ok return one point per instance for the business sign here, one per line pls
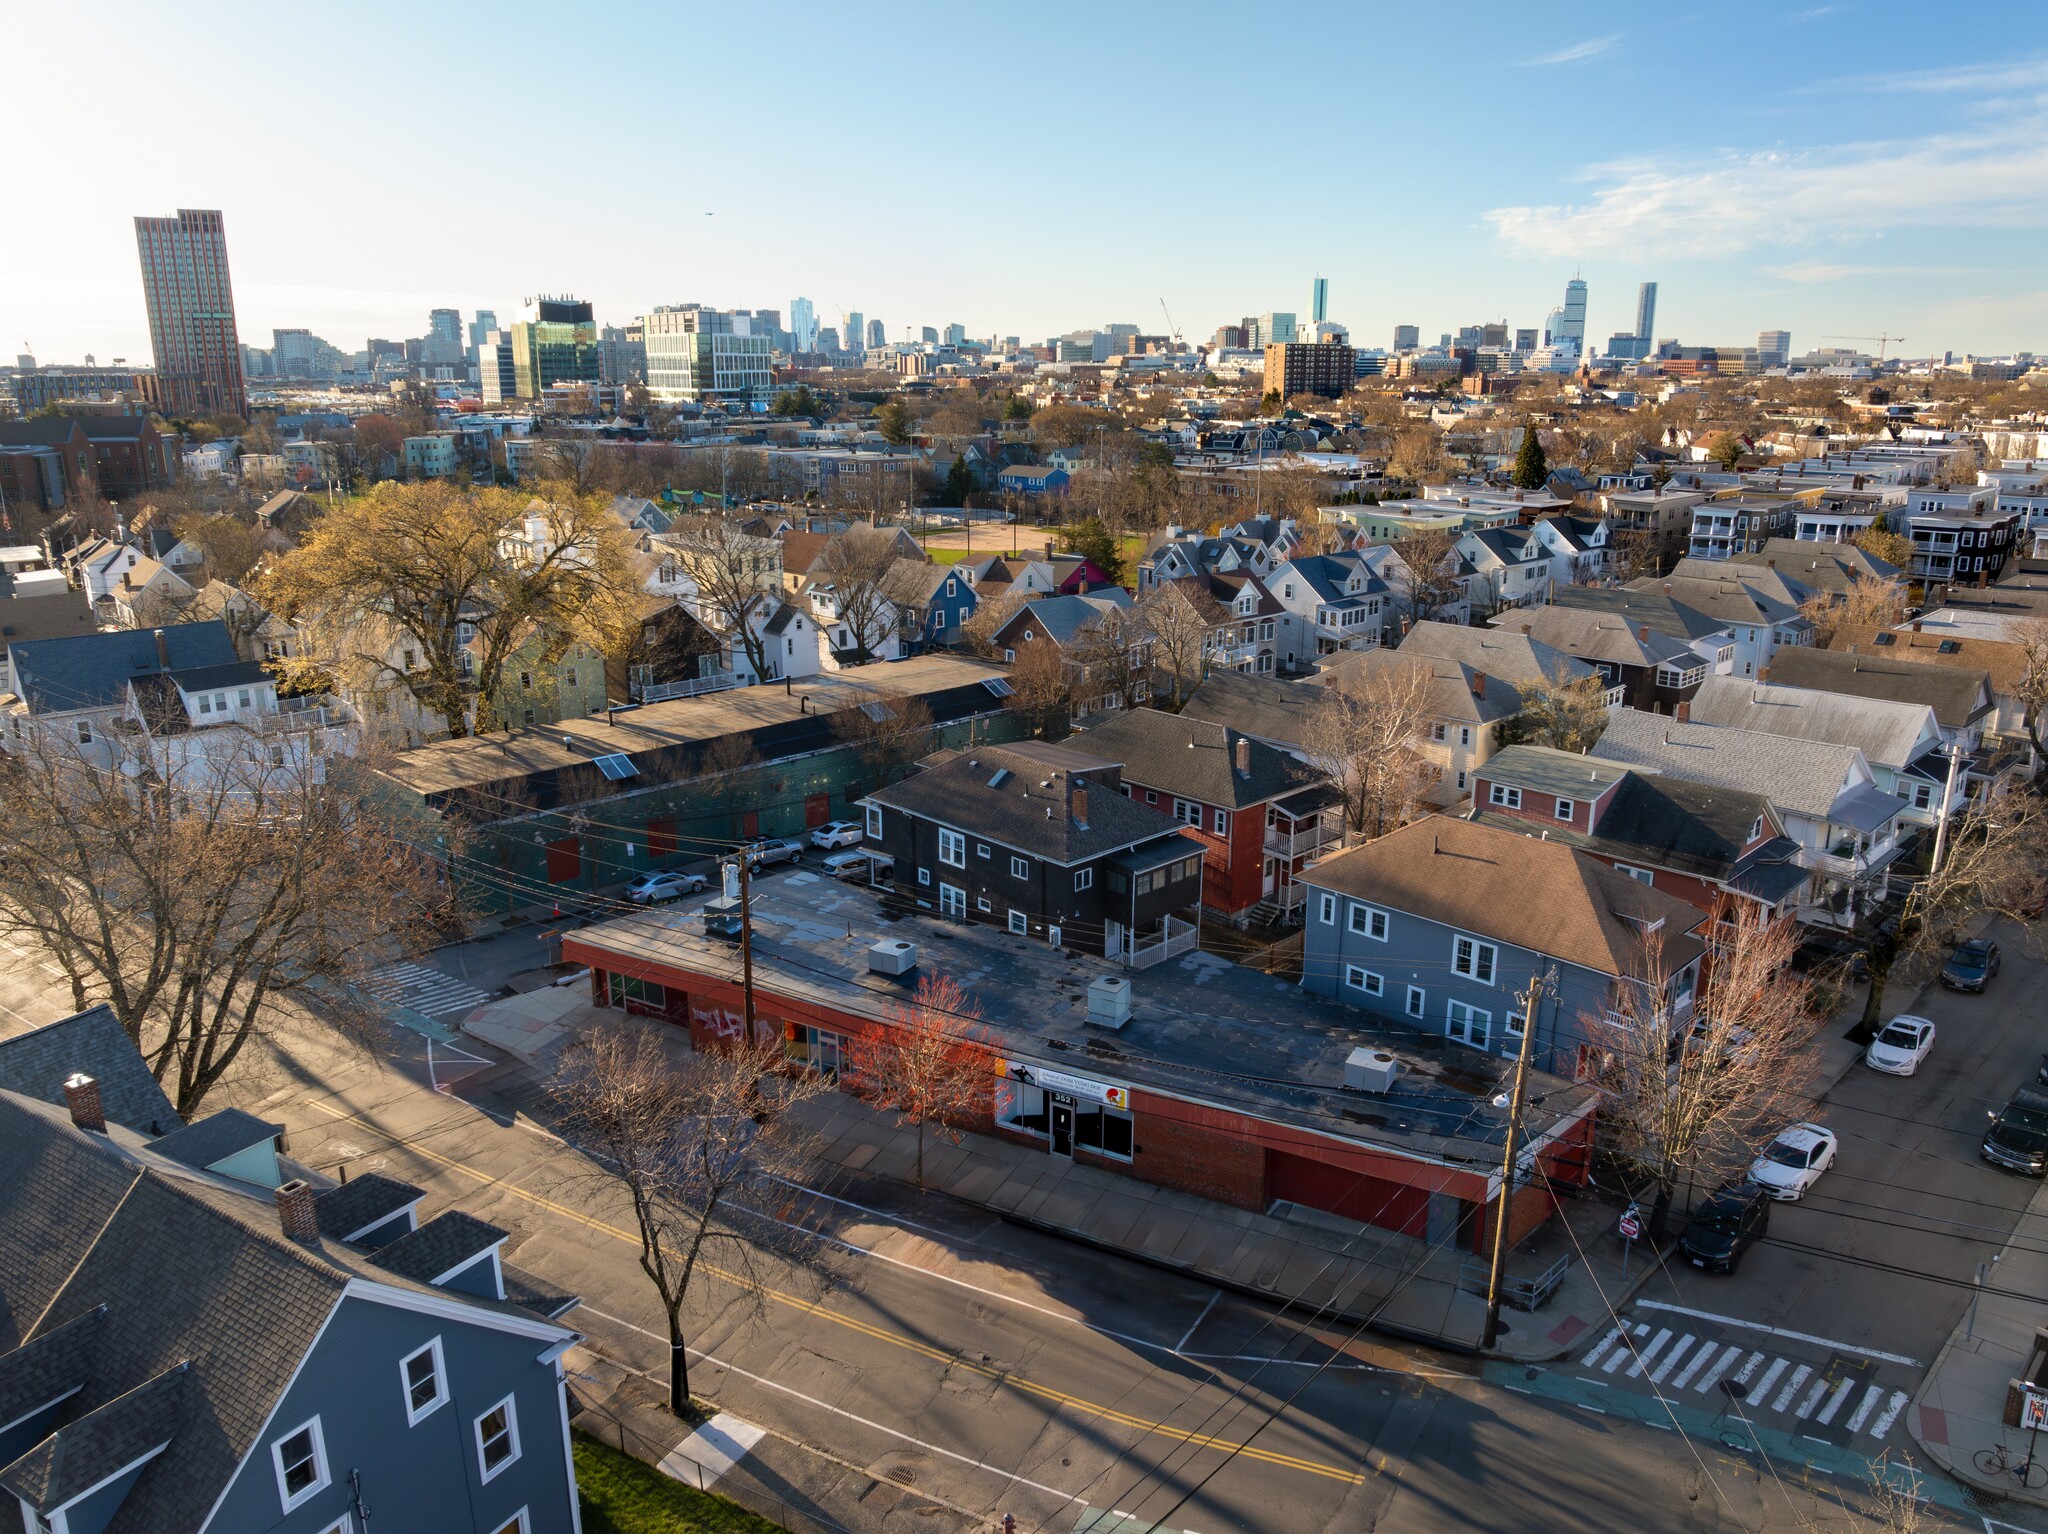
(1108, 1093)
(2033, 1409)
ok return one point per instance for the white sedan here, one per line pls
(1901, 1046)
(837, 833)
(1791, 1163)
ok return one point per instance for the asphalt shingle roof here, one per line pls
(94, 670)
(37, 1063)
(1271, 708)
(1888, 734)
(82, 1454)
(1030, 810)
(216, 1137)
(362, 1201)
(1513, 657)
(1540, 896)
(1195, 759)
(1589, 635)
(448, 1240)
(1913, 670)
(1803, 776)
(59, 1360)
(1063, 618)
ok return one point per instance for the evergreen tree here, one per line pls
(1532, 470)
(959, 482)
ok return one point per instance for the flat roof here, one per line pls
(448, 766)
(1201, 1028)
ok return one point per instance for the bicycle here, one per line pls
(1999, 1460)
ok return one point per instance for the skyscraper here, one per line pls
(1773, 348)
(485, 322)
(1571, 322)
(1646, 315)
(853, 330)
(878, 336)
(1407, 337)
(803, 325)
(1319, 302)
(555, 343)
(192, 313)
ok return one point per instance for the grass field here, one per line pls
(623, 1496)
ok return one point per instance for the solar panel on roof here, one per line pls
(997, 685)
(616, 766)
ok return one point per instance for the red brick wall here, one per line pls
(1196, 1150)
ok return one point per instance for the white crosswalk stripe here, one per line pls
(1647, 1356)
(1678, 1351)
(1765, 1383)
(1624, 1353)
(1599, 1351)
(424, 990)
(1749, 1367)
(1811, 1399)
(1791, 1387)
(1721, 1366)
(1892, 1408)
(1862, 1414)
(1762, 1392)
(1685, 1376)
(1842, 1393)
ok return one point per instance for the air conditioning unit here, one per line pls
(892, 956)
(1371, 1070)
(1109, 1001)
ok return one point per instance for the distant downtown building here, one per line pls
(192, 313)
(1301, 367)
(1646, 311)
(1319, 301)
(555, 343)
(696, 354)
(803, 325)
(1407, 337)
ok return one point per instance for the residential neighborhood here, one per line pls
(1384, 875)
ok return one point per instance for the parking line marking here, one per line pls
(1728, 1356)
(1678, 1351)
(1779, 1331)
(1892, 1408)
(1812, 1398)
(1649, 1354)
(1862, 1414)
(1762, 1392)
(1842, 1393)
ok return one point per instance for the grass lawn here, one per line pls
(623, 1496)
(946, 556)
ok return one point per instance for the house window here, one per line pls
(569, 677)
(1566, 809)
(1468, 1025)
(1151, 796)
(1019, 923)
(497, 1438)
(1019, 869)
(1923, 795)
(952, 848)
(425, 1382)
(981, 851)
(300, 1458)
(1464, 734)
(242, 698)
(1187, 813)
(924, 876)
(1326, 908)
(1756, 828)
(1474, 960)
(1418, 999)
(205, 704)
(952, 901)
(983, 904)
(874, 820)
(1222, 822)
(1084, 878)
(1640, 875)
(1439, 731)
(1504, 796)
(1010, 656)
(1364, 980)
(1369, 921)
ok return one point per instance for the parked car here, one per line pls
(1901, 1045)
(1792, 1163)
(1728, 1224)
(2018, 1139)
(670, 885)
(859, 864)
(837, 833)
(1971, 965)
(780, 849)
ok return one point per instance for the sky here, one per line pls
(1835, 170)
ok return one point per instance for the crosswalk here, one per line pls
(420, 989)
(1835, 1400)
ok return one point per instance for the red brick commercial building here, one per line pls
(1310, 367)
(1229, 1085)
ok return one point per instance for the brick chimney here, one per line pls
(1643, 633)
(82, 1095)
(295, 1216)
(163, 650)
(1916, 625)
(1683, 712)
(1077, 809)
(1479, 684)
(1244, 757)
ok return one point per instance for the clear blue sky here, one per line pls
(1828, 169)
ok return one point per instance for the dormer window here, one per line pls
(1757, 829)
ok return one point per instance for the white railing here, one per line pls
(662, 692)
(1178, 937)
(304, 714)
(1305, 838)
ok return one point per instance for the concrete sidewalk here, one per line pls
(1960, 1408)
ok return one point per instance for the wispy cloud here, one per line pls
(1718, 204)
(2028, 74)
(1833, 271)
(1577, 53)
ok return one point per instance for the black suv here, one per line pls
(1728, 1224)
(2018, 1140)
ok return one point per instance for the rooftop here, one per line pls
(1201, 1027)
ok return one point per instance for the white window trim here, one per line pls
(1492, 976)
(488, 1473)
(1223, 822)
(1327, 908)
(1640, 875)
(1566, 809)
(1084, 878)
(1020, 868)
(517, 1524)
(413, 1418)
(1359, 978)
(1505, 795)
(320, 1483)
(1019, 922)
(874, 820)
(1418, 1001)
(1360, 922)
(958, 843)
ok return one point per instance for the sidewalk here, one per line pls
(1959, 1410)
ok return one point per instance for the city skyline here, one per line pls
(1780, 209)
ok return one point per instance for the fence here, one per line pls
(662, 692)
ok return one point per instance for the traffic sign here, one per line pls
(1631, 1227)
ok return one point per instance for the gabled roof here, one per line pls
(37, 1063)
(1589, 635)
(94, 670)
(1540, 896)
(1512, 657)
(216, 1137)
(1063, 618)
(1194, 759)
(1456, 691)
(1662, 612)
(1329, 575)
(1268, 707)
(1888, 734)
(362, 1201)
(1022, 796)
(1806, 777)
(447, 1241)
(102, 1443)
(1997, 664)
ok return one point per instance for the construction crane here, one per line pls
(1172, 329)
(1882, 341)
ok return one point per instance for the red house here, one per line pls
(1246, 802)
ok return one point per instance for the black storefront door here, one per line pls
(1063, 1126)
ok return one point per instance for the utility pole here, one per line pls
(1948, 794)
(746, 947)
(1507, 1174)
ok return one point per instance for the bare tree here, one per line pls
(886, 733)
(1180, 637)
(737, 579)
(933, 1069)
(1112, 658)
(1994, 864)
(978, 634)
(190, 879)
(857, 567)
(1868, 602)
(1561, 712)
(691, 1143)
(1365, 736)
(1432, 586)
(1690, 1093)
(2031, 635)
(1042, 688)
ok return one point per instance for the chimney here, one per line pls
(163, 650)
(1079, 809)
(1528, 628)
(1916, 625)
(1479, 684)
(1683, 711)
(1771, 563)
(1667, 588)
(295, 1215)
(1983, 579)
(1244, 757)
(82, 1094)
(1763, 673)
(1642, 633)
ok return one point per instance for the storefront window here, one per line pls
(1103, 1129)
(1021, 1106)
(818, 1049)
(623, 989)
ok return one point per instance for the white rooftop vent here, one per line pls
(892, 956)
(1371, 1070)
(1109, 1001)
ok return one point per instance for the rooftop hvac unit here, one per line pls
(892, 956)
(1109, 1001)
(1371, 1070)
